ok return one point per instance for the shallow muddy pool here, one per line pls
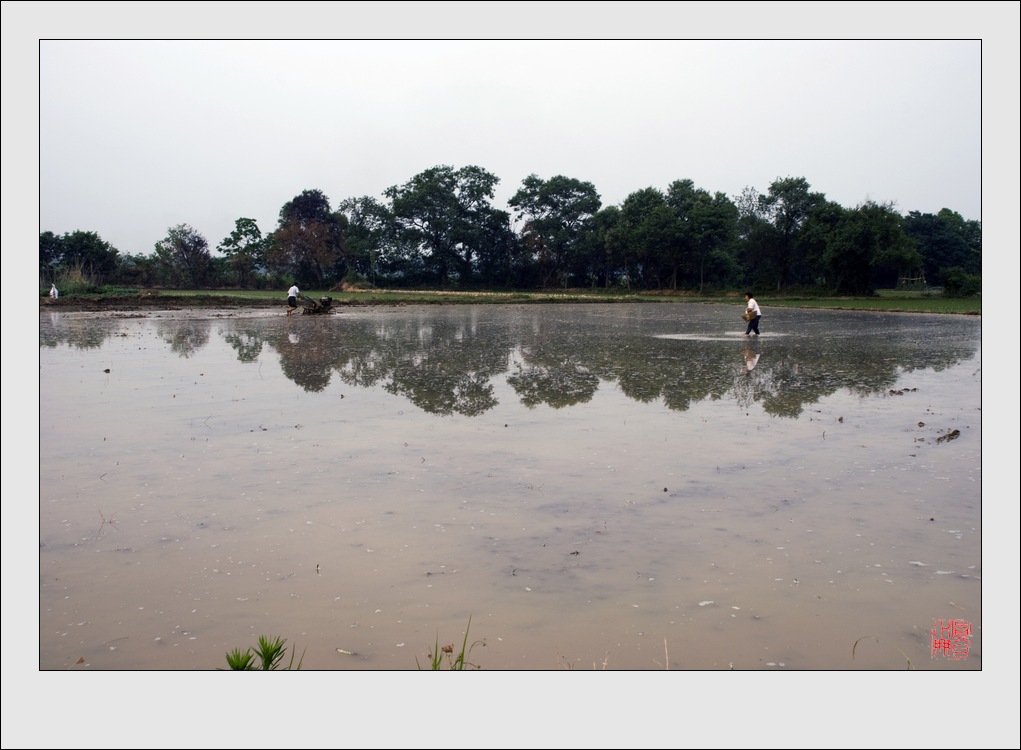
(629, 487)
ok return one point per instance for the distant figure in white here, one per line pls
(53, 291)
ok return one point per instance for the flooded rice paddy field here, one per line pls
(623, 487)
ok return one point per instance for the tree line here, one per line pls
(441, 230)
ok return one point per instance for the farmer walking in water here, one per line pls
(292, 298)
(754, 313)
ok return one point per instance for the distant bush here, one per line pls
(76, 280)
(958, 283)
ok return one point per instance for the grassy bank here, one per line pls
(885, 301)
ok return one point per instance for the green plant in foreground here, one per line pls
(446, 653)
(269, 655)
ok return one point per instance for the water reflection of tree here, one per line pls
(305, 360)
(185, 337)
(248, 344)
(80, 333)
(788, 378)
(550, 375)
(679, 373)
(558, 387)
(440, 391)
(698, 376)
(445, 363)
(307, 355)
(444, 366)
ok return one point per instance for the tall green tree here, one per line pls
(425, 213)
(139, 270)
(445, 216)
(787, 205)
(946, 240)
(868, 239)
(370, 239)
(896, 254)
(714, 218)
(499, 253)
(554, 213)
(752, 233)
(817, 233)
(681, 197)
(184, 257)
(83, 252)
(244, 250)
(650, 233)
(608, 261)
(308, 243)
(706, 227)
(50, 253)
(481, 226)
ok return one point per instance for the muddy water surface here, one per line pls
(617, 486)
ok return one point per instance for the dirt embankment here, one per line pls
(158, 302)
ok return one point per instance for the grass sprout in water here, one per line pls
(268, 656)
(441, 654)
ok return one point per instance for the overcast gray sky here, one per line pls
(129, 138)
(139, 136)
(138, 133)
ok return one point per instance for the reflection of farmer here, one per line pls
(752, 309)
(292, 298)
(751, 358)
